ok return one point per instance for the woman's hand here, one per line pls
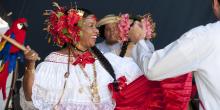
(31, 55)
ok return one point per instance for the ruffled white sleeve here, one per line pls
(49, 81)
(43, 85)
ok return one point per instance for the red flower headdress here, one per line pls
(62, 25)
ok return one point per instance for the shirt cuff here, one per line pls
(144, 44)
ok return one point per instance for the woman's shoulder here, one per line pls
(57, 57)
(53, 60)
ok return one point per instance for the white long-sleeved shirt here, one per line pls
(49, 81)
(197, 50)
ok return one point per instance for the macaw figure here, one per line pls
(9, 53)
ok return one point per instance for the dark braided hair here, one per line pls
(124, 48)
(102, 31)
(106, 64)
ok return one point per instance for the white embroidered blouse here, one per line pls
(49, 82)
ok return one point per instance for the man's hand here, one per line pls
(136, 32)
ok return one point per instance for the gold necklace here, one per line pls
(93, 87)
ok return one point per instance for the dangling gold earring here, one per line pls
(80, 34)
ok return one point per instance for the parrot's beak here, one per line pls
(25, 25)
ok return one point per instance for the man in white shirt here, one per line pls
(197, 50)
(109, 30)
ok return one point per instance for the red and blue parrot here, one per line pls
(9, 53)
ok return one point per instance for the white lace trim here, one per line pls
(57, 58)
(28, 105)
(101, 106)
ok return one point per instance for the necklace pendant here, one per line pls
(56, 107)
(81, 90)
(94, 88)
(66, 75)
(95, 93)
(96, 98)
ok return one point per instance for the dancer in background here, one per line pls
(108, 28)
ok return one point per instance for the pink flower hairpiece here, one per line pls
(124, 26)
(150, 26)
